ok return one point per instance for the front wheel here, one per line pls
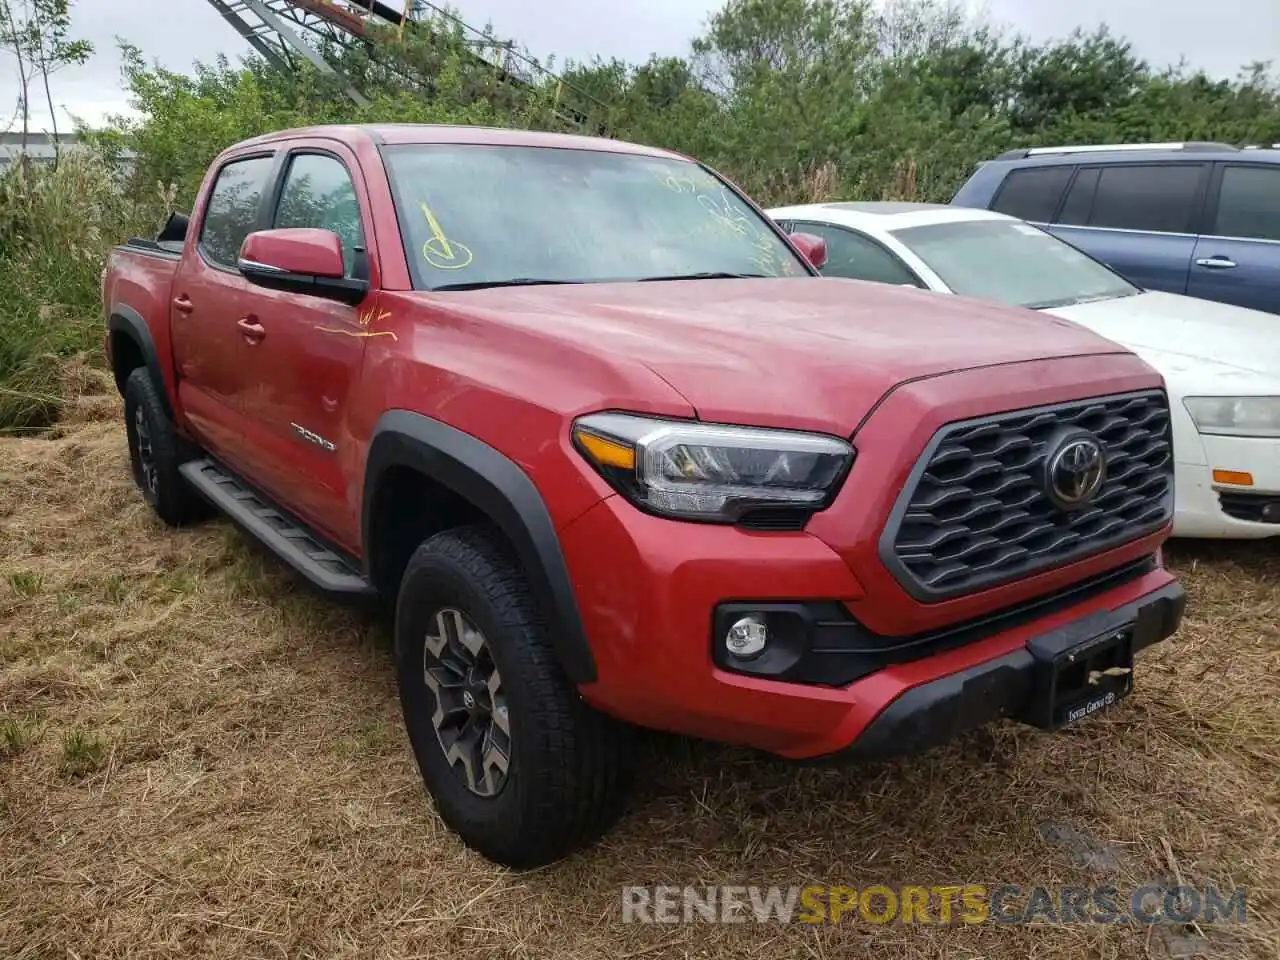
(519, 766)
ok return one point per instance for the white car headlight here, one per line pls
(701, 471)
(1235, 416)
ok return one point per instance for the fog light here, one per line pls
(747, 637)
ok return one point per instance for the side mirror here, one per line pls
(300, 260)
(813, 249)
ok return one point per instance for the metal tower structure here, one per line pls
(284, 33)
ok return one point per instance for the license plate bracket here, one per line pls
(1081, 680)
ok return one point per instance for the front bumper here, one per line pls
(1201, 511)
(1006, 687)
(648, 591)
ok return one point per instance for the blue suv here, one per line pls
(1202, 219)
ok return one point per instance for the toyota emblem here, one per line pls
(1076, 471)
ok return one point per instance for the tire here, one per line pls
(155, 453)
(568, 766)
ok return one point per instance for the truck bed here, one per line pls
(170, 249)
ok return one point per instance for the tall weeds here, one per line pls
(56, 226)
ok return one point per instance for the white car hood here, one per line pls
(1199, 343)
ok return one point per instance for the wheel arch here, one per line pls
(495, 486)
(131, 347)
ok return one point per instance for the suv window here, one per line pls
(1033, 194)
(318, 192)
(232, 212)
(1140, 196)
(857, 257)
(1079, 203)
(1249, 203)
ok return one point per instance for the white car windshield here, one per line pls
(475, 215)
(1013, 263)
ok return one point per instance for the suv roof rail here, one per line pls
(1187, 145)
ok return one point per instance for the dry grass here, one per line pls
(197, 758)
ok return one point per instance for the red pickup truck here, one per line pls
(618, 456)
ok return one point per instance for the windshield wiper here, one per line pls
(513, 282)
(1075, 301)
(709, 275)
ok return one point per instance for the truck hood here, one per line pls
(1185, 335)
(802, 352)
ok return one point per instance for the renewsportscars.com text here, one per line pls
(957, 903)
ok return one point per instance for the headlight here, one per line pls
(1235, 416)
(710, 472)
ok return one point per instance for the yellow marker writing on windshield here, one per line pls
(434, 224)
(438, 250)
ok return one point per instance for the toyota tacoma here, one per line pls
(613, 454)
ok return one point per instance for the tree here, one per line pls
(37, 34)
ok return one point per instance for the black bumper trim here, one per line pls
(934, 713)
(821, 643)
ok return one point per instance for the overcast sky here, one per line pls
(1218, 35)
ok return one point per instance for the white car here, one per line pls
(1221, 363)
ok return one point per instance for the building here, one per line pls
(40, 147)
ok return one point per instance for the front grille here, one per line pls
(976, 511)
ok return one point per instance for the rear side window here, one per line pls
(1033, 194)
(1079, 203)
(232, 212)
(1156, 198)
(1249, 203)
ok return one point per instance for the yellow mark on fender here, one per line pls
(362, 334)
(366, 317)
(439, 250)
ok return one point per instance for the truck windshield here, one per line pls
(474, 215)
(1011, 262)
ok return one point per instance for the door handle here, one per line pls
(1216, 263)
(253, 331)
(182, 303)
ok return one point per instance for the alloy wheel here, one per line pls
(146, 454)
(470, 718)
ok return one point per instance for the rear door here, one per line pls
(1237, 259)
(210, 297)
(1138, 218)
(303, 370)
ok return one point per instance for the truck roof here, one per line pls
(400, 133)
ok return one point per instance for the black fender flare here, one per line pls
(497, 486)
(128, 322)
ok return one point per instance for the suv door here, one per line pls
(308, 359)
(1138, 218)
(210, 297)
(1237, 259)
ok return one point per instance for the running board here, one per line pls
(280, 532)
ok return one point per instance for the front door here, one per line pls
(307, 362)
(1237, 260)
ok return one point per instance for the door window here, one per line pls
(1033, 194)
(1249, 203)
(232, 212)
(1079, 203)
(1157, 198)
(856, 257)
(318, 192)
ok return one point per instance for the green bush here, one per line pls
(56, 225)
